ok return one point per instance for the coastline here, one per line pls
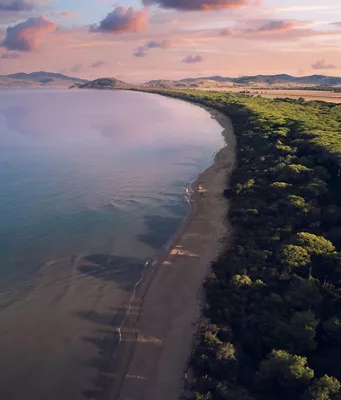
(164, 316)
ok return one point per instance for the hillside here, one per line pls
(259, 81)
(105, 83)
(38, 79)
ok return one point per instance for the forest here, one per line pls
(273, 297)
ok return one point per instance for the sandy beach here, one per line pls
(157, 337)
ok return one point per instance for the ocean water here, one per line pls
(92, 186)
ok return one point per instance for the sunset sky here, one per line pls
(139, 40)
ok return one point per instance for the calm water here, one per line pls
(92, 184)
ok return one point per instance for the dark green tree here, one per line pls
(302, 330)
(332, 328)
(285, 372)
(327, 267)
(324, 388)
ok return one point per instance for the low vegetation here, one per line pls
(273, 298)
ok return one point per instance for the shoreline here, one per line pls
(157, 337)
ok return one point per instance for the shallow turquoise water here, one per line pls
(84, 174)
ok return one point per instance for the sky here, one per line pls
(141, 40)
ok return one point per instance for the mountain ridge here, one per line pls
(317, 80)
(53, 79)
(105, 83)
(38, 79)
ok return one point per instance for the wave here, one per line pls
(152, 262)
(124, 203)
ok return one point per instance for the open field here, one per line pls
(328, 96)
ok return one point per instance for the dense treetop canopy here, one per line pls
(273, 298)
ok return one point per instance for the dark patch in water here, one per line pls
(160, 229)
(187, 164)
(178, 209)
(96, 317)
(107, 361)
(124, 271)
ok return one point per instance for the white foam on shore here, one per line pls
(152, 262)
(188, 191)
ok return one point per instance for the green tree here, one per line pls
(302, 330)
(241, 280)
(296, 334)
(293, 256)
(284, 371)
(314, 244)
(327, 267)
(226, 352)
(295, 173)
(207, 396)
(332, 328)
(227, 391)
(298, 203)
(323, 389)
(314, 189)
(321, 173)
(331, 215)
(304, 295)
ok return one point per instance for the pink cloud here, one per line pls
(27, 35)
(152, 44)
(20, 5)
(76, 68)
(321, 64)
(192, 59)
(67, 14)
(121, 20)
(293, 35)
(199, 5)
(226, 32)
(273, 26)
(10, 55)
(97, 64)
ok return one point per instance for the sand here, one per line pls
(157, 337)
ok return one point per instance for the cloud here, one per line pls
(10, 55)
(306, 8)
(27, 35)
(226, 32)
(76, 68)
(321, 64)
(192, 59)
(20, 5)
(98, 64)
(142, 51)
(273, 26)
(67, 14)
(199, 5)
(153, 44)
(121, 20)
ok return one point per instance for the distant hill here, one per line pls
(256, 80)
(104, 83)
(38, 79)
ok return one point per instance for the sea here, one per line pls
(93, 184)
